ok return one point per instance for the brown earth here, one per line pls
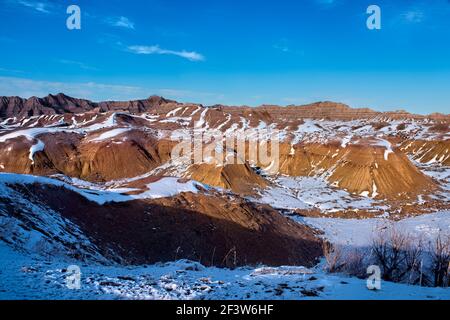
(239, 178)
(126, 156)
(330, 111)
(74, 156)
(61, 104)
(426, 151)
(212, 229)
(356, 168)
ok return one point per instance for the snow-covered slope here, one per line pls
(32, 227)
(98, 184)
(164, 187)
(23, 277)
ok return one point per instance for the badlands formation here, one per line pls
(105, 173)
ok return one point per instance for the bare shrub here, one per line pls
(352, 262)
(333, 257)
(387, 249)
(413, 268)
(230, 259)
(356, 263)
(400, 256)
(440, 261)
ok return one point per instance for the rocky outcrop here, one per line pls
(11, 107)
(239, 178)
(52, 104)
(73, 155)
(366, 157)
(330, 111)
(429, 152)
(362, 169)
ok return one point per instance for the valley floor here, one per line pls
(361, 232)
(26, 277)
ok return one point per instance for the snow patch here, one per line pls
(165, 187)
(39, 146)
(110, 134)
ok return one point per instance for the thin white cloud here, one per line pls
(43, 7)
(282, 45)
(413, 16)
(287, 47)
(79, 64)
(326, 3)
(189, 55)
(122, 22)
(24, 87)
(14, 86)
(11, 70)
(195, 96)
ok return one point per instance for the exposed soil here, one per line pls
(215, 230)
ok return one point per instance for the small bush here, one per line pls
(388, 251)
(440, 127)
(356, 263)
(333, 257)
(401, 258)
(440, 261)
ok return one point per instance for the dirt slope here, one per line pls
(215, 230)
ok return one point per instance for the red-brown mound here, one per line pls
(215, 230)
(361, 168)
(428, 151)
(238, 177)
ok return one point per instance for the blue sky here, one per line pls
(232, 52)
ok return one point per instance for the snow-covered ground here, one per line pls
(311, 130)
(36, 276)
(164, 187)
(361, 232)
(438, 172)
(314, 193)
(23, 277)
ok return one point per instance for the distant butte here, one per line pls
(60, 103)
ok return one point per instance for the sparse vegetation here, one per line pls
(401, 258)
(440, 261)
(398, 255)
(440, 127)
(333, 257)
(379, 125)
(340, 259)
